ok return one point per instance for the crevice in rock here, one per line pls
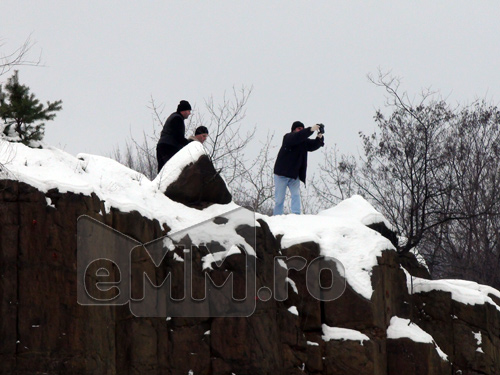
(18, 267)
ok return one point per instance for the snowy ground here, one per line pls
(115, 184)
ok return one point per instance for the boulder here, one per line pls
(199, 185)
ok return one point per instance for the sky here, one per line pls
(304, 60)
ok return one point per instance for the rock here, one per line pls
(410, 357)
(455, 326)
(407, 260)
(199, 185)
(348, 357)
(410, 263)
(386, 232)
(45, 330)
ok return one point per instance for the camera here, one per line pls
(321, 129)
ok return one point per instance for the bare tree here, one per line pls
(333, 183)
(253, 185)
(18, 57)
(433, 171)
(227, 142)
(139, 156)
(470, 247)
(402, 170)
(249, 179)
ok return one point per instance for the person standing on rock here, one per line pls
(291, 164)
(172, 137)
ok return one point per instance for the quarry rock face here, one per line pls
(44, 330)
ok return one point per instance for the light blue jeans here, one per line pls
(280, 185)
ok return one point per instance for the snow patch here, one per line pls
(335, 333)
(294, 310)
(466, 292)
(344, 238)
(420, 258)
(189, 154)
(358, 208)
(113, 183)
(292, 284)
(177, 258)
(479, 340)
(49, 202)
(282, 263)
(403, 328)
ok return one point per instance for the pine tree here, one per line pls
(23, 114)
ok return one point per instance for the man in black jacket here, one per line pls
(172, 137)
(291, 164)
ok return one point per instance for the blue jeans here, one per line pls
(280, 185)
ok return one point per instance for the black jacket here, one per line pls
(292, 157)
(173, 131)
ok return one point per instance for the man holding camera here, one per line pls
(291, 163)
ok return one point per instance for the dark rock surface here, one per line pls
(199, 185)
(44, 330)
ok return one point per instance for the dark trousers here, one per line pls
(163, 154)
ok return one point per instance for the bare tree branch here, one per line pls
(18, 57)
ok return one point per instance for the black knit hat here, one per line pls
(201, 130)
(183, 106)
(297, 124)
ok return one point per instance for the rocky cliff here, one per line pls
(401, 324)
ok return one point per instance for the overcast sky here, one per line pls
(306, 60)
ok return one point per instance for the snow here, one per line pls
(420, 258)
(49, 202)
(115, 184)
(356, 207)
(218, 257)
(292, 284)
(127, 190)
(403, 328)
(345, 238)
(282, 263)
(341, 232)
(178, 258)
(466, 292)
(479, 340)
(293, 310)
(335, 333)
(173, 168)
